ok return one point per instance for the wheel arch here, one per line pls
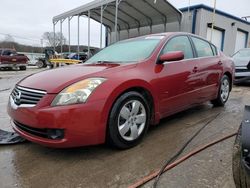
(140, 86)
(230, 78)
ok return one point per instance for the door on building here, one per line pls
(217, 37)
(241, 40)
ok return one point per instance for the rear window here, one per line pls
(9, 52)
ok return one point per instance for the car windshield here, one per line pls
(242, 55)
(127, 51)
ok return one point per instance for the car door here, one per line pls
(209, 69)
(176, 79)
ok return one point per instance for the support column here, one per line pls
(116, 15)
(69, 33)
(78, 35)
(61, 21)
(88, 33)
(101, 27)
(54, 32)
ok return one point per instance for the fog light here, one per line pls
(55, 134)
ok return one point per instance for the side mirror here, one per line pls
(171, 56)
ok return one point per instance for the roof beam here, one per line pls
(125, 2)
(159, 12)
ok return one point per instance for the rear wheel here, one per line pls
(40, 64)
(23, 68)
(128, 120)
(223, 93)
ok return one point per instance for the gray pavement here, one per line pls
(31, 165)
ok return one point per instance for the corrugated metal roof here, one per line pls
(131, 13)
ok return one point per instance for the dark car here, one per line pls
(242, 65)
(81, 56)
(120, 91)
(241, 153)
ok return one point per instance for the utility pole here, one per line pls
(213, 21)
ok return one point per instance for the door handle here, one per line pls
(195, 69)
(219, 62)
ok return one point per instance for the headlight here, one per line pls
(78, 92)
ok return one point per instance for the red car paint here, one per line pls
(174, 87)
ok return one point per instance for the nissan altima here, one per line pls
(118, 93)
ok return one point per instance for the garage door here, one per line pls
(241, 39)
(217, 39)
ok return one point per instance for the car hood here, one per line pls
(241, 63)
(55, 80)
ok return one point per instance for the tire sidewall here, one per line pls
(225, 77)
(114, 136)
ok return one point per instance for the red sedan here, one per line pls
(120, 91)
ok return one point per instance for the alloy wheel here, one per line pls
(132, 120)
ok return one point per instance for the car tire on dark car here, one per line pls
(128, 120)
(23, 68)
(40, 64)
(224, 91)
(241, 178)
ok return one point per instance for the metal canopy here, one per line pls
(118, 15)
(131, 13)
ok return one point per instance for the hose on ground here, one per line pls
(179, 161)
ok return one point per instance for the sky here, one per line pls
(27, 20)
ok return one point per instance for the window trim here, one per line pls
(168, 40)
(197, 57)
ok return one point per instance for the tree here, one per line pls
(8, 38)
(52, 39)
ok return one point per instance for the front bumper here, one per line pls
(12, 65)
(82, 124)
(242, 77)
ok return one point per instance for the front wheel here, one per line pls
(224, 91)
(128, 120)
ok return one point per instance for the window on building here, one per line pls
(202, 47)
(217, 37)
(241, 40)
(180, 43)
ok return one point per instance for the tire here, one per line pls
(128, 120)
(23, 68)
(40, 64)
(241, 178)
(224, 91)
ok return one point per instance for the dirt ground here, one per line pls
(31, 165)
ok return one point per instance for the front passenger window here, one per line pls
(180, 43)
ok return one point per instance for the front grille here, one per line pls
(242, 70)
(25, 96)
(34, 131)
(53, 134)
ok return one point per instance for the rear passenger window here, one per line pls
(180, 43)
(202, 47)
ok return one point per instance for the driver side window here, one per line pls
(179, 43)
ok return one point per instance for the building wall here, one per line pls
(228, 24)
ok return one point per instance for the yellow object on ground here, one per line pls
(68, 61)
